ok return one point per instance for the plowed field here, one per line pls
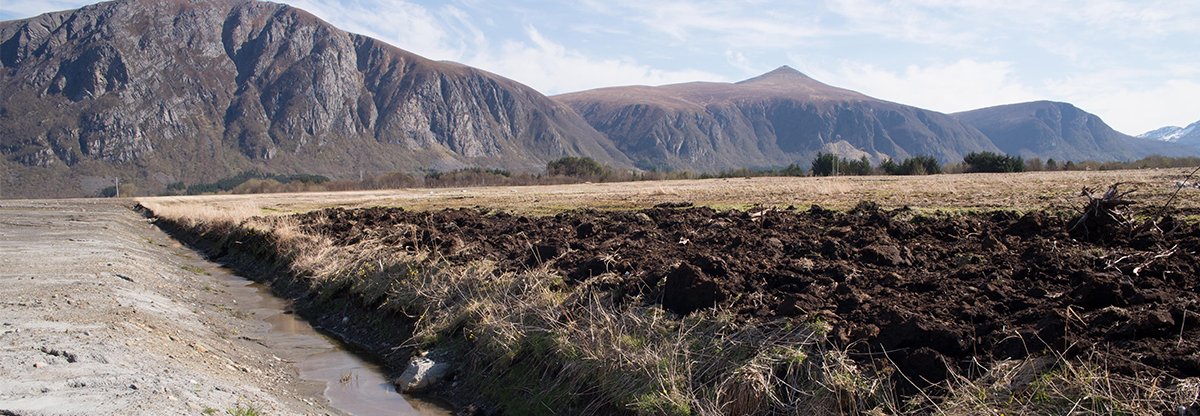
(930, 293)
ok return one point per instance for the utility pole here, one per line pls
(117, 186)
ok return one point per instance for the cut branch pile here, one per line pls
(1103, 214)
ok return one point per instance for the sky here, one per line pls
(1136, 64)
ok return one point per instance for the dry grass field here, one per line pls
(1015, 191)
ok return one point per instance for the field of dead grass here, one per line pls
(963, 192)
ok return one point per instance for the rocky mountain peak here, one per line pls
(1173, 134)
(787, 82)
(160, 92)
(783, 74)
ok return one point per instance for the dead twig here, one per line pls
(1182, 326)
(1167, 253)
(1179, 186)
(1113, 264)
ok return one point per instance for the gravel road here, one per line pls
(102, 313)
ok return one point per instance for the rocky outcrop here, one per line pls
(193, 91)
(1054, 130)
(775, 119)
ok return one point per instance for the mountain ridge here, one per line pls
(1189, 135)
(1057, 130)
(774, 119)
(159, 92)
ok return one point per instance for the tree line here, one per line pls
(573, 169)
(826, 164)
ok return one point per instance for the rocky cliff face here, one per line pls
(1061, 131)
(164, 91)
(775, 119)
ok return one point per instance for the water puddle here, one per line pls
(352, 385)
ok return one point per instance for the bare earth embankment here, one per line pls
(979, 299)
(103, 314)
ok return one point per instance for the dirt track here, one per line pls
(100, 313)
(923, 290)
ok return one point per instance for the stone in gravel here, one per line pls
(70, 357)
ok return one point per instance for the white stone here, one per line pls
(421, 373)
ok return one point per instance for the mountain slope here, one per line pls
(165, 91)
(775, 119)
(1047, 129)
(1189, 135)
(1166, 134)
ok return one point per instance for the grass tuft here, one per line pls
(240, 410)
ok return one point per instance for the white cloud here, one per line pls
(553, 68)
(901, 20)
(1133, 110)
(24, 9)
(1131, 101)
(738, 60)
(744, 24)
(406, 25)
(962, 85)
(463, 32)
(452, 33)
(939, 18)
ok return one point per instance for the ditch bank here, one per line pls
(351, 384)
(382, 338)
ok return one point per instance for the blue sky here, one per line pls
(1134, 63)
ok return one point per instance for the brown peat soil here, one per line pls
(926, 292)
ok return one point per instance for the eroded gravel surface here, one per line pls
(101, 313)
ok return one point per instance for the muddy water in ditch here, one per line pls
(352, 385)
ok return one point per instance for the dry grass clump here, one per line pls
(534, 345)
(195, 215)
(1057, 385)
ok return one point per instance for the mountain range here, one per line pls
(770, 120)
(1189, 135)
(164, 91)
(167, 92)
(1054, 130)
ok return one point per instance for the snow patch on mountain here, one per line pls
(1172, 133)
